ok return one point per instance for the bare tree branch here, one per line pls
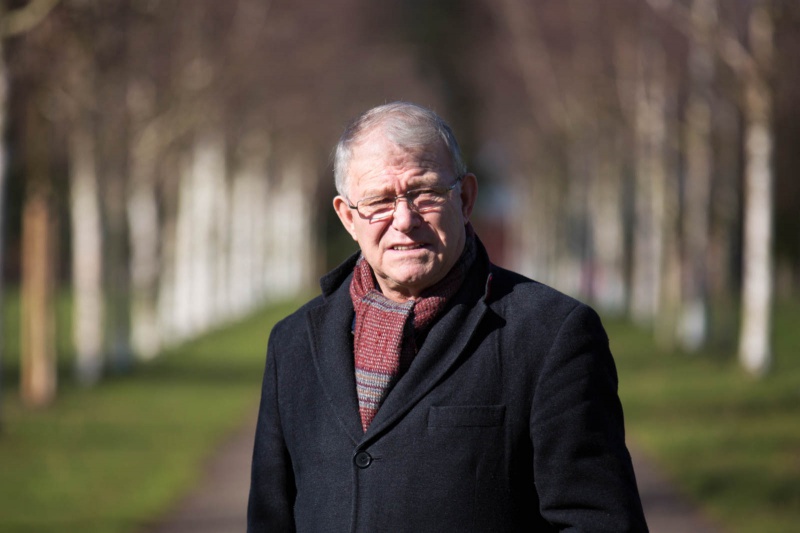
(20, 20)
(729, 48)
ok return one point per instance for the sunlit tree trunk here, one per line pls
(210, 227)
(77, 99)
(221, 219)
(38, 368)
(196, 246)
(167, 305)
(297, 226)
(534, 212)
(143, 222)
(37, 346)
(539, 210)
(607, 229)
(248, 196)
(693, 325)
(754, 343)
(666, 326)
(648, 244)
(183, 272)
(12, 22)
(87, 255)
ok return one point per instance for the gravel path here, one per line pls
(219, 503)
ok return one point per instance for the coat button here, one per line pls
(363, 459)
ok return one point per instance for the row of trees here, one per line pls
(169, 158)
(644, 157)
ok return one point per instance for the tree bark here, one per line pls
(757, 289)
(143, 221)
(37, 346)
(648, 238)
(693, 323)
(3, 173)
(37, 343)
(87, 255)
(607, 229)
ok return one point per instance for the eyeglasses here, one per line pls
(420, 200)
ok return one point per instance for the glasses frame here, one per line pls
(410, 203)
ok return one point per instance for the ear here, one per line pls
(469, 194)
(345, 214)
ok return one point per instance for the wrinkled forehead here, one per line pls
(378, 162)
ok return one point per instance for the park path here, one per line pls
(219, 502)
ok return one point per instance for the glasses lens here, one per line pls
(425, 199)
(376, 206)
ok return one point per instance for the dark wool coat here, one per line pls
(507, 420)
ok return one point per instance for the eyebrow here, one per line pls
(412, 186)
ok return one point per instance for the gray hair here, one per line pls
(407, 125)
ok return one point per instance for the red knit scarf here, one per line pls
(385, 341)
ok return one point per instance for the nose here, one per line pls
(405, 217)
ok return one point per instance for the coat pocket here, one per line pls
(466, 415)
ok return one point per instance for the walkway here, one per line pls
(219, 504)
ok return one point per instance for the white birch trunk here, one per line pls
(143, 220)
(607, 230)
(757, 290)
(220, 233)
(196, 238)
(183, 323)
(248, 196)
(167, 295)
(87, 256)
(143, 230)
(572, 254)
(292, 236)
(523, 255)
(202, 217)
(693, 322)
(649, 189)
(241, 277)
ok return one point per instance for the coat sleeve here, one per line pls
(582, 468)
(272, 485)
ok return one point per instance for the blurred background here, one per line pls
(165, 175)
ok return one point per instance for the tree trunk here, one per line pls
(648, 243)
(248, 213)
(3, 173)
(143, 227)
(757, 290)
(87, 256)
(607, 229)
(693, 324)
(196, 247)
(37, 346)
(37, 343)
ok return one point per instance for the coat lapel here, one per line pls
(445, 343)
(330, 330)
(330, 327)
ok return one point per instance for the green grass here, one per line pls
(110, 458)
(730, 441)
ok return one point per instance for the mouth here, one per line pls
(407, 247)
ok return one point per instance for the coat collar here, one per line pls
(332, 347)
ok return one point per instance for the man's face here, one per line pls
(408, 251)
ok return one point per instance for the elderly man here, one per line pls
(427, 389)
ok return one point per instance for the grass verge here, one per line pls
(110, 458)
(730, 441)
